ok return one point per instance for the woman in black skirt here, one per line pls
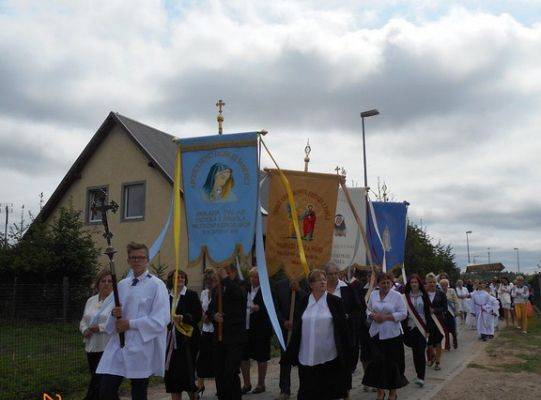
(320, 344)
(183, 344)
(415, 326)
(438, 307)
(259, 336)
(386, 310)
(205, 365)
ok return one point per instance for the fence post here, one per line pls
(14, 298)
(65, 297)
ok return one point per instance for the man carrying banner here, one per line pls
(143, 317)
(283, 292)
(229, 332)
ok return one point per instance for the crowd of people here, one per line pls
(330, 320)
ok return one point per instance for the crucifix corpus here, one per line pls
(100, 205)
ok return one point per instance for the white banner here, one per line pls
(348, 247)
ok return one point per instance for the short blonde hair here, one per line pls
(315, 274)
(430, 276)
(446, 281)
(136, 246)
(253, 271)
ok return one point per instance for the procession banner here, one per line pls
(387, 233)
(315, 201)
(220, 184)
(348, 247)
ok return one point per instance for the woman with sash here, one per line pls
(386, 310)
(452, 307)
(438, 334)
(182, 339)
(415, 326)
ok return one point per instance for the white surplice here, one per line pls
(146, 306)
(482, 301)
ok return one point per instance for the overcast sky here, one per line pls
(458, 85)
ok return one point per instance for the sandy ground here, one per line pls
(486, 378)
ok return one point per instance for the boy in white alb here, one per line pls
(144, 314)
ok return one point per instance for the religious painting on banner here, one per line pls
(348, 246)
(220, 184)
(387, 235)
(315, 200)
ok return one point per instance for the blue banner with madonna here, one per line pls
(387, 233)
(220, 184)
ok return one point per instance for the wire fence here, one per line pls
(41, 348)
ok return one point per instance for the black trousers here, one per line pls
(285, 375)
(109, 385)
(227, 358)
(417, 342)
(93, 390)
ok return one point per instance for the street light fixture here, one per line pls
(366, 114)
(468, 245)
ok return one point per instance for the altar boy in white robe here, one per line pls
(144, 314)
(483, 305)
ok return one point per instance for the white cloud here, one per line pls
(458, 87)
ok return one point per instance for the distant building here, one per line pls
(480, 268)
(134, 163)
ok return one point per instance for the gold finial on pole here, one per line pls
(220, 118)
(307, 151)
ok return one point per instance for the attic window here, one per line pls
(133, 203)
(92, 195)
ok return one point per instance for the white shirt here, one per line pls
(419, 305)
(205, 301)
(249, 301)
(97, 342)
(520, 294)
(462, 292)
(317, 339)
(146, 306)
(504, 293)
(340, 284)
(392, 303)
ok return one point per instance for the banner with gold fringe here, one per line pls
(220, 185)
(315, 197)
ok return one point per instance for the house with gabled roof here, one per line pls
(134, 163)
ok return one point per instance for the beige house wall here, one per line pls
(118, 161)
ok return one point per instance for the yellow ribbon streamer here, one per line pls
(291, 200)
(183, 328)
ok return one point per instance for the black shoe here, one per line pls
(246, 389)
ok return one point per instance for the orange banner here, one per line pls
(315, 200)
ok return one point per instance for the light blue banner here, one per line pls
(387, 234)
(220, 184)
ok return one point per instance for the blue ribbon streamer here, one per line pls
(264, 277)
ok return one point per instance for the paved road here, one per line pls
(452, 363)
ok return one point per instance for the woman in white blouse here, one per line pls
(504, 294)
(320, 344)
(95, 337)
(463, 294)
(520, 294)
(386, 368)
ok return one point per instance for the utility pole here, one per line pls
(7, 208)
(488, 252)
(468, 245)
(518, 260)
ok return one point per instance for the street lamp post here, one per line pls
(366, 114)
(488, 252)
(468, 245)
(518, 260)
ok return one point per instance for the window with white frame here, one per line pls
(133, 201)
(93, 196)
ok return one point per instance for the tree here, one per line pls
(422, 256)
(47, 253)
